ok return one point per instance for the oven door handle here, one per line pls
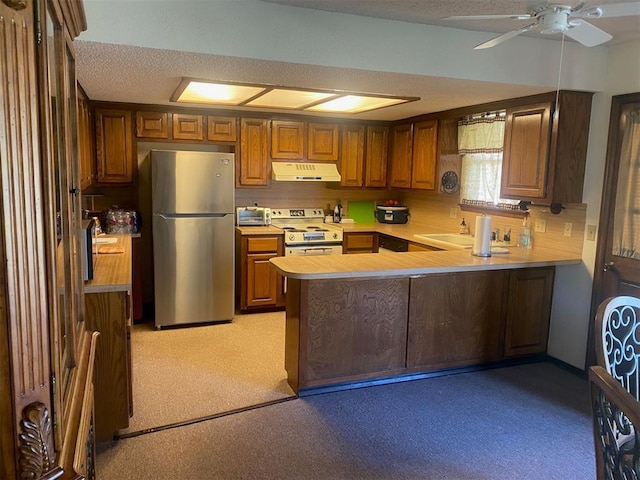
(317, 249)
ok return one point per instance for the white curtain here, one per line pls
(480, 143)
(626, 226)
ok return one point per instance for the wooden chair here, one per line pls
(615, 389)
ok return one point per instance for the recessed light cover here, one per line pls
(218, 93)
(284, 98)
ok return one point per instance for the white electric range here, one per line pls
(305, 232)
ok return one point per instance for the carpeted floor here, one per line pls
(523, 422)
(184, 373)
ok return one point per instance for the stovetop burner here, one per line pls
(304, 226)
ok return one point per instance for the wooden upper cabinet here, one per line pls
(401, 146)
(376, 157)
(85, 143)
(253, 168)
(526, 147)
(545, 155)
(152, 125)
(322, 141)
(221, 129)
(114, 146)
(287, 140)
(188, 127)
(425, 146)
(352, 156)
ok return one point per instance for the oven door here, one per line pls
(304, 250)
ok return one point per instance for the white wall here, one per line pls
(254, 29)
(572, 292)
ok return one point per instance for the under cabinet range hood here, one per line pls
(304, 172)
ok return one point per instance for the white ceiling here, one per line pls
(433, 12)
(112, 70)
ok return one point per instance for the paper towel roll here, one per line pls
(482, 240)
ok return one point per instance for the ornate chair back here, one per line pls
(618, 348)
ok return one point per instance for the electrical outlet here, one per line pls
(568, 228)
(591, 233)
(540, 225)
(453, 213)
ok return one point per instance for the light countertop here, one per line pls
(112, 272)
(415, 263)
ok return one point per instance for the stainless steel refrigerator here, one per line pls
(193, 236)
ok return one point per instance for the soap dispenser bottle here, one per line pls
(525, 236)
(464, 228)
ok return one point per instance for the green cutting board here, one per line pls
(361, 211)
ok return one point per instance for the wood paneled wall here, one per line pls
(24, 341)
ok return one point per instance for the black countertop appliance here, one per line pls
(392, 214)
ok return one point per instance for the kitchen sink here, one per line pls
(460, 241)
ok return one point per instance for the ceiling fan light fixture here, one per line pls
(554, 22)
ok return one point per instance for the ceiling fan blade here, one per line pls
(587, 34)
(521, 16)
(505, 36)
(610, 10)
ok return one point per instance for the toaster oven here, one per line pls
(256, 216)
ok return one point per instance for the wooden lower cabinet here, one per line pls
(528, 311)
(455, 319)
(340, 331)
(258, 286)
(110, 314)
(361, 242)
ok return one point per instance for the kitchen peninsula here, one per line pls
(373, 317)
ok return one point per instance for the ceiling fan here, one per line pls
(551, 18)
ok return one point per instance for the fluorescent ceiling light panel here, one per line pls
(218, 93)
(286, 98)
(355, 104)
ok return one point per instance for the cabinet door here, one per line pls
(423, 169)
(455, 319)
(85, 142)
(375, 174)
(401, 147)
(360, 242)
(352, 156)
(526, 150)
(262, 280)
(114, 146)
(253, 152)
(152, 125)
(323, 141)
(287, 140)
(221, 129)
(188, 127)
(108, 313)
(528, 311)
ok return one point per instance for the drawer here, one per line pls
(262, 244)
(358, 241)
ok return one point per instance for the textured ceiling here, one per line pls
(132, 74)
(433, 12)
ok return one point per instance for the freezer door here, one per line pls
(193, 269)
(192, 182)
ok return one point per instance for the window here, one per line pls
(480, 144)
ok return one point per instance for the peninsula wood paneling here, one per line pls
(342, 342)
(455, 319)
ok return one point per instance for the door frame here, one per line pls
(614, 141)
